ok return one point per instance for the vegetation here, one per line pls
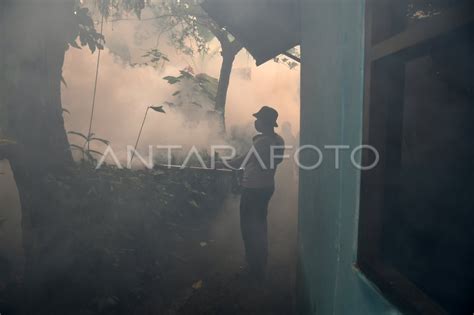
(194, 97)
(106, 246)
(86, 152)
(75, 218)
(95, 241)
(189, 29)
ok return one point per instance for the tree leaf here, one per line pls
(158, 109)
(74, 146)
(74, 44)
(78, 134)
(171, 79)
(186, 74)
(94, 151)
(104, 141)
(63, 81)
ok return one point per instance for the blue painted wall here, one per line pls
(331, 114)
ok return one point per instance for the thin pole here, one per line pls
(139, 134)
(95, 87)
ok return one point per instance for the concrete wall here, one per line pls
(331, 114)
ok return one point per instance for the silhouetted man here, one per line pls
(258, 185)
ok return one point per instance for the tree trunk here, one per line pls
(35, 54)
(229, 51)
(32, 55)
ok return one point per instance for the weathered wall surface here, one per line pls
(331, 114)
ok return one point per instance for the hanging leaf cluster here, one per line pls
(187, 26)
(117, 7)
(201, 83)
(185, 23)
(86, 32)
(155, 58)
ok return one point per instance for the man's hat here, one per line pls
(268, 115)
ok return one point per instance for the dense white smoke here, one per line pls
(125, 91)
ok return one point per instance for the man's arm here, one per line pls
(235, 163)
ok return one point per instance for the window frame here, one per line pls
(391, 53)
